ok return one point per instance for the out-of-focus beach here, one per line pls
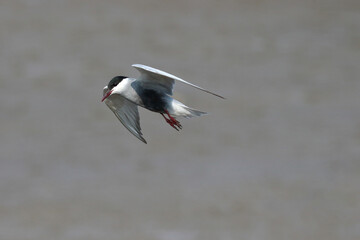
(279, 159)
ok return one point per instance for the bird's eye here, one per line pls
(111, 86)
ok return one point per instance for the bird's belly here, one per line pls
(145, 96)
(153, 100)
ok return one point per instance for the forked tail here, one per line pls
(192, 112)
(177, 109)
(180, 110)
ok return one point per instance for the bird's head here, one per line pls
(109, 88)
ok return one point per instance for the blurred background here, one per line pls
(278, 159)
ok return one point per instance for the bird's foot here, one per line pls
(172, 121)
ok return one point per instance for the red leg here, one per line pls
(169, 121)
(173, 120)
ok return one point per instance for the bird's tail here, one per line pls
(180, 110)
(193, 112)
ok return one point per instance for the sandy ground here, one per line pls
(279, 159)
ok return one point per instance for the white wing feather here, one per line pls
(163, 79)
(127, 113)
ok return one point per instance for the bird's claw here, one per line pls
(175, 124)
(172, 122)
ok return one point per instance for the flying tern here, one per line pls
(152, 90)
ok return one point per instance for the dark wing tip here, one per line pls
(220, 96)
(214, 94)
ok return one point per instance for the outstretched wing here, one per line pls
(163, 79)
(127, 113)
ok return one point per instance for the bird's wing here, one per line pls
(163, 79)
(127, 113)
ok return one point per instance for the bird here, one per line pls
(152, 90)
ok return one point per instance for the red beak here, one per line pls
(106, 95)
